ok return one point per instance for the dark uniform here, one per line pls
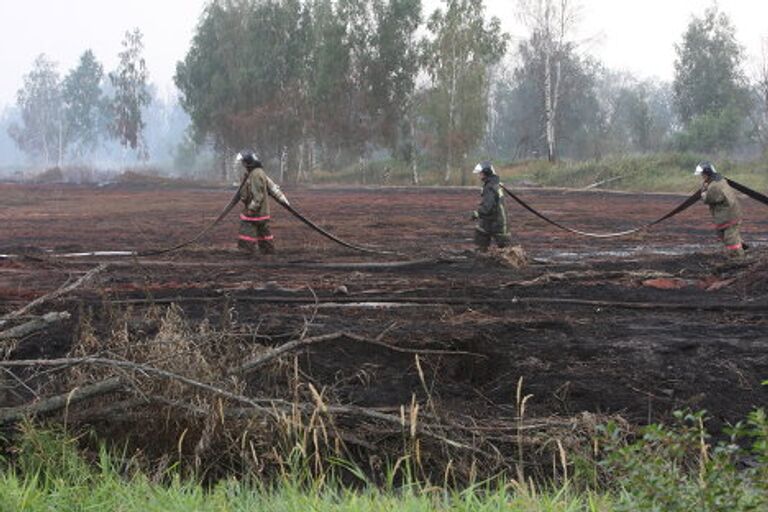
(492, 215)
(254, 220)
(726, 212)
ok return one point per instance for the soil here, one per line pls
(635, 326)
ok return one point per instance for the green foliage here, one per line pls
(668, 468)
(320, 80)
(84, 103)
(709, 86)
(676, 468)
(129, 81)
(462, 47)
(712, 131)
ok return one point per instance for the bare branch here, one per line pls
(58, 402)
(55, 294)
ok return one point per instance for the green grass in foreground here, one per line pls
(670, 468)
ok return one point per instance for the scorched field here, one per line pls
(362, 355)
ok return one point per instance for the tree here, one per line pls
(129, 81)
(84, 104)
(393, 75)
(759, 115)
(551, 23)
(709, 85)
(242, 81)
(462, 47)
(522, 126)
(41, 132)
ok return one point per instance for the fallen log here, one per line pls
(290, 346)
(58, 402)
(275, 408)
(63, 290)
(35, 325)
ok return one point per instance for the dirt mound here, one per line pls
(754, 275)
(508, 257)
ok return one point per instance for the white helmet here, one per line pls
(485, 167)
(705, 168)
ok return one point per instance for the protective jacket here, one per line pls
(255, 193)
(491, 212)
(722, 202)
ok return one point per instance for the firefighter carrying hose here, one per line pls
(255, 192)
(724, 207)
(491, 214)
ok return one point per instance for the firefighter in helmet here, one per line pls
(255, 218)
(491, 215)
(724, 207)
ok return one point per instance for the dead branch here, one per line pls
(146, 369)
(257, 404)
(58, 402)
(574, 275)
(284, 348)
(35, 325)
(63, 290)
(303, 342)
(601, 182)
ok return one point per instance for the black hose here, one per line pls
(683, 206)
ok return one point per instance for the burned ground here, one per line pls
(635, 327)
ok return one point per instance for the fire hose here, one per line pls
(232, 203)
(236, 199)
(692, 199)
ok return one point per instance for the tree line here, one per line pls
(331, 84)
(66, 119)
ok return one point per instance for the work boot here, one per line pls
(266, 247)
(246, 247)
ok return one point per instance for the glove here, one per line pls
(475, 215)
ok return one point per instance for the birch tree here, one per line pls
(131, 94)
(552, 23)
(41, 133)
(462, 47)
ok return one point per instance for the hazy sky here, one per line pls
(636, 35)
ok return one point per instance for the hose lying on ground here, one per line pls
(693, 198)
(232, 203)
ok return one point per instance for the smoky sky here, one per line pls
(625, 34)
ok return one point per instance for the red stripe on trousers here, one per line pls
(259, 239)
(254, 219)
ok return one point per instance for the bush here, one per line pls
(676, 469)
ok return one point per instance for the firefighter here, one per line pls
(255, 192)
(724, 207)
(491, 215)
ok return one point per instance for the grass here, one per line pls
(668, 468)
(664, 172)
(660, 172)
